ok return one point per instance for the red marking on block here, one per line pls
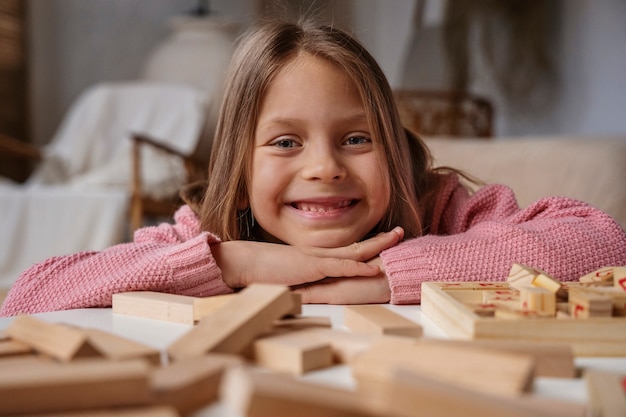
(624, 385)
(578, 309)
(622, 283)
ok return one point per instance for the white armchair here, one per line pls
(78, 196)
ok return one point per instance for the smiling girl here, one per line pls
(314, 183)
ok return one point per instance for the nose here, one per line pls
(323, 163)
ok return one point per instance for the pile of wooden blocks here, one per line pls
(533, 293)
(248, 351)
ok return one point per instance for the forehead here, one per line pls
(307, 84)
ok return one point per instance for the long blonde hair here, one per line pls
(260, 54)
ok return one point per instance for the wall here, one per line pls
(76, 43)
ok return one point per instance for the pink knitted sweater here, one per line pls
(472, 238)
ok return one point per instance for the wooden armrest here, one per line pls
(17, 148)
(140, 202)
(143, 139)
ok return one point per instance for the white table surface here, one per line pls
(160, 334)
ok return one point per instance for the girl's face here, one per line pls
(317, 178)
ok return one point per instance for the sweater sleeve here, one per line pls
(479, 237)
(173, 258)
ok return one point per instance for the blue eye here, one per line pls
(285, 143)
(357, 140)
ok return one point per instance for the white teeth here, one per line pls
(321, 208)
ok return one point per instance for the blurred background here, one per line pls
(563, 61)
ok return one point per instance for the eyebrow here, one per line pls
(293, 121)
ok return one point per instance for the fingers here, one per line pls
(366, 249)
(361, 290)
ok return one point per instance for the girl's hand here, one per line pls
(243, 262)
(354, 290)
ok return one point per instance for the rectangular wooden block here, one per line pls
(204, 306)
(115, 347)
(192, 383)
(619, 277)
(551, 360)
(302, 322)
(345, 345)
(545, 281)
(539, 300)
(295, 352)
(13, 347)
(262, 394)
(607, 393)
(602, 276)
(585, 304)
(379, 320)
(79, 385)
(484, 370)
(155, 305)
(59, 341)
(139, 411)
(521, 276)
(409, 391)
(232, 329)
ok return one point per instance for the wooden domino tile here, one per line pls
(453, 309)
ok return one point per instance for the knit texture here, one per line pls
(166, 258)
(473, 238)
(479, 237)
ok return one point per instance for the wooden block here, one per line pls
(262, 394)
(138, 411)
(519, 314)
(302, 322)
(409, 394)
(508, 298)
(619, 277)
(60, 342)
(80, 385)
(607, 393)
(115, 347)
(521, 276)
(232, 329)
(155, 305)
(545, 281)
(13, 347)
(295, 352)
(483, 309)
(379, 320)
(191, 383)
(585, 304)
(297, 305)
(551, 360)
(485, 370)
(539, 300)
(204, 306)
(601, 336)
(344, 345)
(602, 276)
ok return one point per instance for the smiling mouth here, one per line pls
(322, 208)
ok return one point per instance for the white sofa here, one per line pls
(591, 169)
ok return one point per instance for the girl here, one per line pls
(314, 183)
